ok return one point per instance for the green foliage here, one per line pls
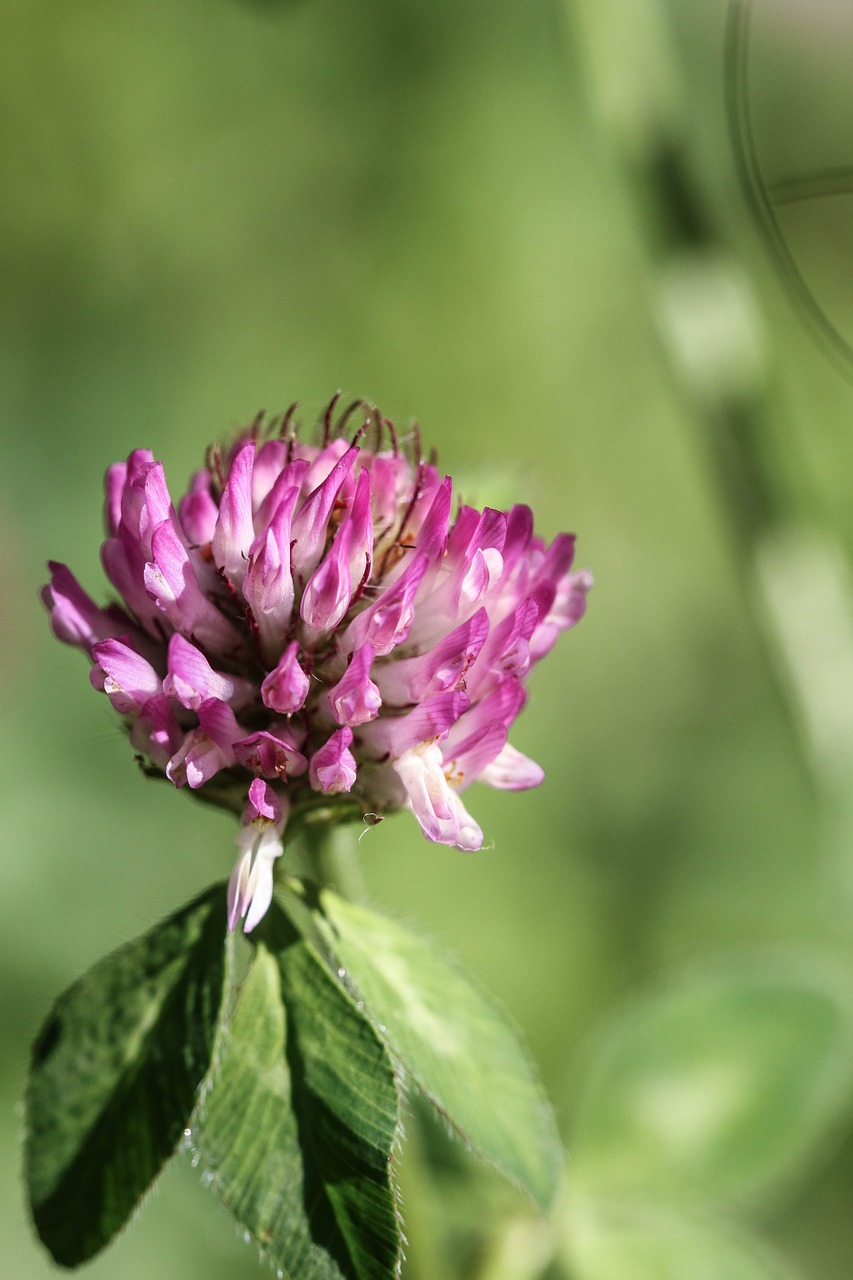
(652, 1244)
(451, 1040)
(299, 1114)
(724, 1087)
(299, 1128)
(115, 1071)
(718, 1092)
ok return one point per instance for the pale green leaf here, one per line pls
(639, 1242)
(115, 1071)
(298, 1130)
(725, 1087)
(452, 1041)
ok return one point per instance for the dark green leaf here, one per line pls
(298, 1129)
(115, 1071)
(452, 1041)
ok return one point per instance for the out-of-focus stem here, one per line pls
(327, 854)
(797, 582)
(701, 300)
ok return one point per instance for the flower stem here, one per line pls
(326, 854)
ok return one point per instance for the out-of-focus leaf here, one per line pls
(641, 1243)
(453, 1043)
(727, 1086)
(115, 1070)
(298, 1129)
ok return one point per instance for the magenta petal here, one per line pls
(263, 802)
(432, 536)
(292, 477)
(235, 530)
(268, 584)
(156, 733)
(196, 761)
(127, 679)
(430, 719)
(124, 565)
(286, 687)
(329, 590)
(445, 666)
(157, 506)
(355, 699)
(323, 462)
(389, 481)
(114, 483)
(250, 887)
(437, 807)
(198, 511)
(333, 767)
(507, 650)
(310, 525)
(271, 755)
(360, 531)
(465, 762)
(511, 771)
(171, 582)
(567, 609)
(220, 724)
(207, 749)
(191, 679)
(500, 707)
(519, 534)
(74, 616)
(387, 622)
(270, 461)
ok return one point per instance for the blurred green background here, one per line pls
(521, 224)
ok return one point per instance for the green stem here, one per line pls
(326, 854)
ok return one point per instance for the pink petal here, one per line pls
(270, 754)
(428, 720)
(329, 590)
(568, 608)
(286, 687)
(437, 807)
(386, 623)
(250, 887)
(310, 525)
(512, 771)
(171, 582)
(156, 732)
(268, 583)
(74, 616)
(355, 699)
(192, 680)
(235, 530)
(198, 512)
(127, 679)
(264, 802)
(445, 666)
(465, 763)
(333, 767)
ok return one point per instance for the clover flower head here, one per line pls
(315, 626)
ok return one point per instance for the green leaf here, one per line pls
(453, 1043)
(114, 1076)
(639, 1242)
(727, 1086)
(298, 1130)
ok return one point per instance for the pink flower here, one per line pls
(251, 884)
(313, 620)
